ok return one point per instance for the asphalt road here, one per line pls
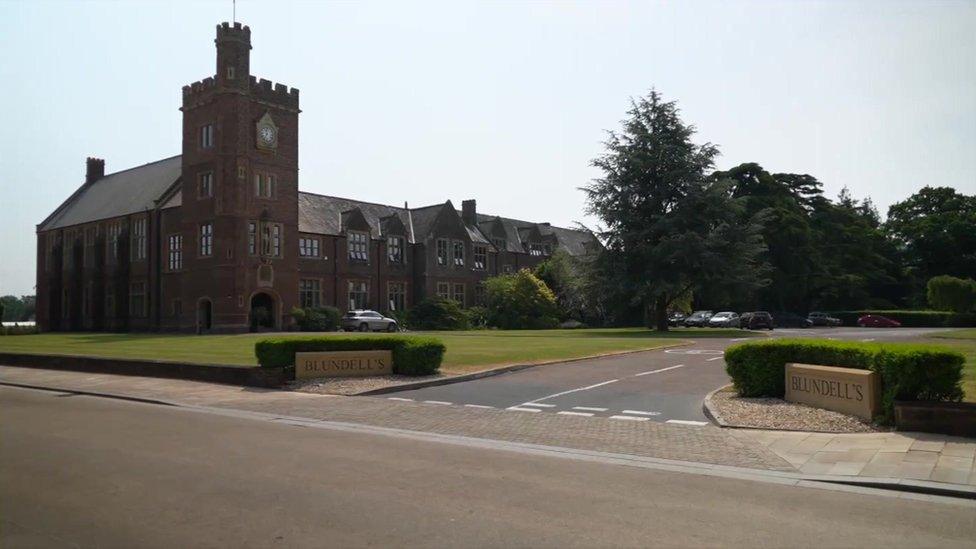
(667, 385)
(87, 471)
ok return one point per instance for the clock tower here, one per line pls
(239, 198)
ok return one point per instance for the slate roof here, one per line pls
(137, 189)
(120, 193)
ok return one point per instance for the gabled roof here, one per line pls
(117, 194)
(322, 214)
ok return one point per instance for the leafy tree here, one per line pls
(16, 309)
(520, 301)
(948, 293)
(935, 229)
(669, 229)
(562, 273)
(437, 314)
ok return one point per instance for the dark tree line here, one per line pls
(678, 232)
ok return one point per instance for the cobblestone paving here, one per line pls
(704, 444)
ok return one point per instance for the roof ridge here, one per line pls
(139, 166)
(352, 200)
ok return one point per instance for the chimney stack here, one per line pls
(94, 170)
(469, 212)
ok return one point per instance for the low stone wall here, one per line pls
(949, 418)
(251, 376)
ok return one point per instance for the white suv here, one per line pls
(367, 321)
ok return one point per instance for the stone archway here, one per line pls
(204, 315)
(262, 315)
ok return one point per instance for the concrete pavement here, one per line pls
(84, 471)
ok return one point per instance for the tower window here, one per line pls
(207, 136)
(230, 72)
(252, 238)
(175, 252)
(264, 185)
(206, 239)
(206, 184)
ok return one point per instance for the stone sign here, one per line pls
(846, 390)
(343, 364)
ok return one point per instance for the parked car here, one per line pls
(676, 318)
(877, 321)
(698, 319)
(725, 319)
(757, 320)
(368, 321)
(823, 319)
(790, 320)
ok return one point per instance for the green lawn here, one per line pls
(466, 351)
(963, 341)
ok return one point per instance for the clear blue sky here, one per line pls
(505, 102)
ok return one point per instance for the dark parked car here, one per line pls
(758, 320)
(676, 318)
(790, 320)
(368, 321)
(877, 321)
(823, 319)
(698, 319)
(725, 319)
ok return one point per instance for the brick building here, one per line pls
(210, 239)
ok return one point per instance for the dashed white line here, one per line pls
(590, 408)
(868, 339)
(687, 422)
(641, 413)
(567, 413)
(400, 399)
(740, 339)
(716, 358)
(661, 370)
(518, 409)
(441, 402)
(594, 386)
(631, 418)
(479, 406)
(537, 404)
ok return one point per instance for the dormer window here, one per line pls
(480, 257)
(458, 253)
(358, 246)
(394, 249)
(442, 251)
(535, 249)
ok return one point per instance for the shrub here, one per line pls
(908, 372)
(437, 314)
(948, 293)
(520, 301)
(412, 356)
(316, 319)
(912, 319)
(477, 316)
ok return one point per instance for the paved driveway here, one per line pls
(664, 385)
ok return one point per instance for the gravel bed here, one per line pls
(774, 413)
(353, 385)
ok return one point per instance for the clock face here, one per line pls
(267, 135)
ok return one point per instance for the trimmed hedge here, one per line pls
(913, 319)
(412, 356)
(908, 372)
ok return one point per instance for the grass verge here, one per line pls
(963, 341)
(468, 351)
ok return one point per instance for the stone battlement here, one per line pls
(274, 93)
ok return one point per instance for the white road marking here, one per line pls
(694, 352)
(642, 413)
(716, 358)
(594, 386)
(539, 405)
(565, 413)
(686, 422)
(590, 408)
(740, 339)
(661, 370)
(478, 406)
(631, 418)
(518, 409)
(868, 339)
(401, 399)
(438, 402)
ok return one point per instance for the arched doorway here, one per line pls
(262, 315)
(204, 315)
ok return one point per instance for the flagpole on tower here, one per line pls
(234, 16)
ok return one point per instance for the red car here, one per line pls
(877, 321)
